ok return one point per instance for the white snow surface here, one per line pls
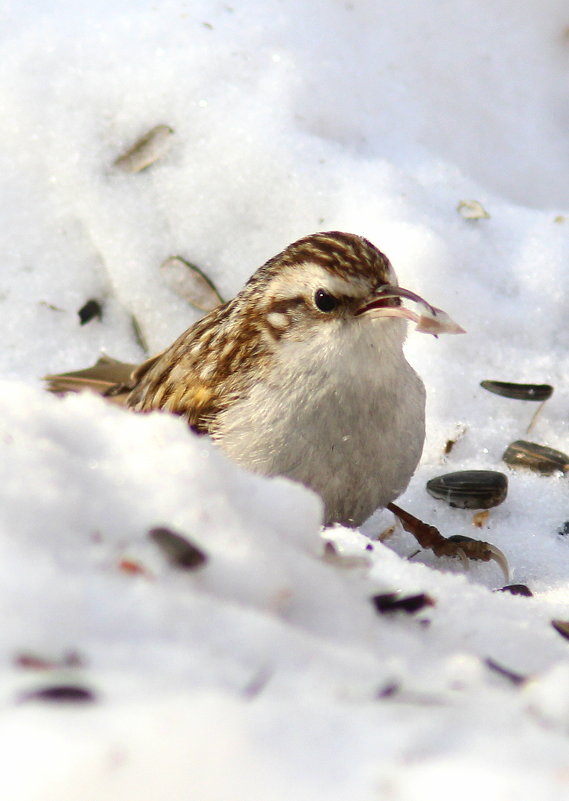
(267, 674)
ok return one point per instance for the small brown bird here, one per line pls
(301, 375)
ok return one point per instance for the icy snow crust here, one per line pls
(267, 674)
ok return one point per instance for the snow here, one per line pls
(268, 674)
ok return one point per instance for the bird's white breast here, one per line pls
(343, 415)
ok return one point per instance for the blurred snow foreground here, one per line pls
(268, 671)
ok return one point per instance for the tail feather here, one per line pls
(107, 377)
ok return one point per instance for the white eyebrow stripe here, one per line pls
(306, 278)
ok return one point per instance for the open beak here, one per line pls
(386, 302)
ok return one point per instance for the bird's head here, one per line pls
(335, 281)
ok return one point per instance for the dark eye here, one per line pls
(324, 300)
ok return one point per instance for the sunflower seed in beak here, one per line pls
(429, 320)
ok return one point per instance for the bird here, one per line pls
(302, 374)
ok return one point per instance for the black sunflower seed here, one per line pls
(179, 550)
(530, 392)
(516, 589)
(60, 693)
(535, 457)
(470, 489)
(388, 602)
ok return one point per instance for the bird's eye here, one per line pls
(324, 300)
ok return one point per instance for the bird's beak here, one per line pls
(386, 302)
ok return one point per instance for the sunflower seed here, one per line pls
(470, 489)
(529, 392)
(60, 693)
(393, 602)
(516, 589)
(179, 550)
(146, 150)
(535, 457)
(190, 283)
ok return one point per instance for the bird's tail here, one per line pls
(107, 377)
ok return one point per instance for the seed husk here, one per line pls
(470, 489)
(511, 675)
(89, 311)
(190, 283)
(538, 458)
(528, 392)
(60, 693)
(388, 602)
(472, 210)
(562, 627)
(516, 589)
(145, 151)
(179, 550)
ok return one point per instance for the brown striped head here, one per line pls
(319, 279)
(332, 279)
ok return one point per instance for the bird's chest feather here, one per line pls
(348, 424)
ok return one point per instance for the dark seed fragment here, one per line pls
(470, 489)
(388, 602)
(516, 589)
(535, 457)
(388, 690)
(511, 675)
(179, 550)
(562, 626)
(563, 529)
(91, 310)
(530, 392)
(60, 693)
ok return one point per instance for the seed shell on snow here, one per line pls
(538, 458)
(89, 311)
(190, 283)
(146, 150)
(179, 550)
(472, 210)
(388, 602)
(561, 626)
(528, 392)
(60, 694)
(511, 675)
(470, 489)
(516, 589)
